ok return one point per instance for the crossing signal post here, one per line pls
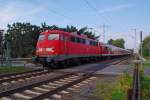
(141, 51)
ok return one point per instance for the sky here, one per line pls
(119, 16)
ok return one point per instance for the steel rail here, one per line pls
(9, 92)
(136, 84)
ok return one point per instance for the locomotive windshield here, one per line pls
(41, 37)
(53, 37)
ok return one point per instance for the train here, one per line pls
(57, 47)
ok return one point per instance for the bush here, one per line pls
(145, 87)
(116, 90)
(118, 95)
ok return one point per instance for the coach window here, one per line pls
(87, 42)
(96, 43)
(66, 38)
(107, 48)
(61, 37)
(83, 41)
(73, 39)
(91, 42)
(78, 40)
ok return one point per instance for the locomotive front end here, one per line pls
(47, 48)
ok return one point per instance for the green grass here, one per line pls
(116, 90)
(118, 95)
(145, 87)
(6, 69)
(146, 64)
(147, 58)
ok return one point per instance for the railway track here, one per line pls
(28, 74)
(53, 88)
(7, 75)
(17, 76)
(49, 88)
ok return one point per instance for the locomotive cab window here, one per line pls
(53, 37)
(41, 37)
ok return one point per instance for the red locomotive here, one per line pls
(55, 46)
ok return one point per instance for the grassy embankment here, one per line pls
(145, 87)
(146, 65)
(7, 69)
(145, 84)
(116, 90)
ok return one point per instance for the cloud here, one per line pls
(108, 9)
(23, 10)
(114, 8)
(14, 10)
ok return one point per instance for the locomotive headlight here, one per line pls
(49, 49)
(40, 49)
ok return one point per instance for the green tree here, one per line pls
(71, 29)
(22, 38)
(45, 27)
(145, 47)
(85, 31)
(118, 42)
(110, 41)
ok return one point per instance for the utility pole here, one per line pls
(8, 63)
(141, 44)
(104, 31)
(135, 39)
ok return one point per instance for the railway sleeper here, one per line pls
(31, 92)
(54, 84)
(28, 94)
(20, 96)
(56, 97)
(65, 95)
(41, 89)
(5, 98)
